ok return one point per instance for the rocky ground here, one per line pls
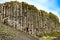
(8, 33)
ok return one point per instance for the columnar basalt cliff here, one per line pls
(28, 18)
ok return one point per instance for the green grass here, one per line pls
(46, 38)
(8, 31)
(51, 34)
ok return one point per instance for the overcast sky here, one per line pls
(47, 5)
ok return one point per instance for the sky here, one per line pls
(47, 5)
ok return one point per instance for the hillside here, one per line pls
(8, 33)
(28, 19)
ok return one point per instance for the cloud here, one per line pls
(13, 0)
(43, 1)
(49, 6)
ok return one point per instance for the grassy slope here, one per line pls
(8, 33)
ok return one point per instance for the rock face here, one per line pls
(28, 18)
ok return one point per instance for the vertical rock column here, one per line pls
(0, 11)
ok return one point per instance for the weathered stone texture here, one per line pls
(26, 18)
